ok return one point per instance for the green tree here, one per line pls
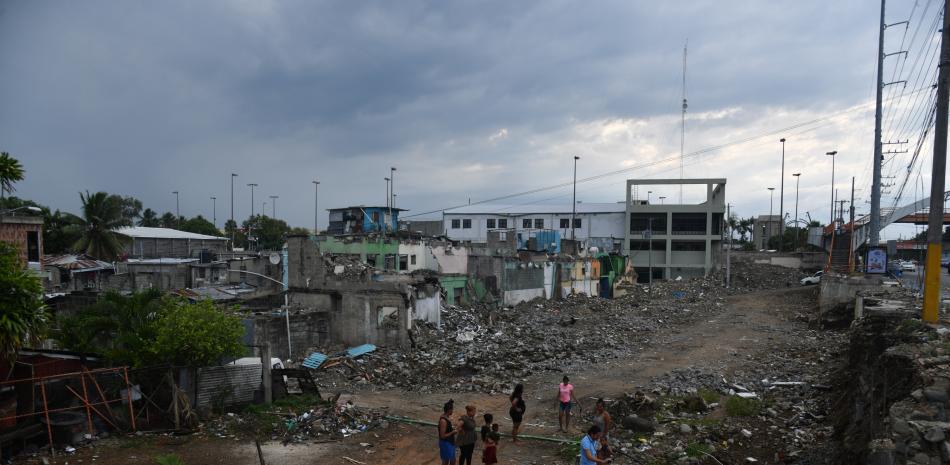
(196, 334)
(297, 230)
(11, 171)
(199, 225)
(149, 219)
(266, 233)
(131, 208)
(101, 217)
(60, 232)
(119, 327)
(168, 220)
(23, 318)
(240, 239)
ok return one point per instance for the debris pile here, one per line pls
(346, 267)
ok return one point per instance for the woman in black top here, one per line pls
(517, 410)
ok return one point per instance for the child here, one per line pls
(490, 454)
(486, 428)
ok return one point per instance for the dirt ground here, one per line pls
(729, 339)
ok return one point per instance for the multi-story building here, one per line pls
(363, 220)
(764, 227)
(674, 239)
(596, 224)
(25, 233)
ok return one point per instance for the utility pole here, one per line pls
(831, 221)
(392, 189)
(574, 200)
(389, 207)
(851, 222)
(214, 211)
(252, 186)
(781, 201)
(729, 246)
(273, 206)
(683, 121)
(771, 229)
(650, 250)
(798, 229)
(935, 222)
(316, 206)
(875, 223)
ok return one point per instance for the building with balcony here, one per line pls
(674, 239)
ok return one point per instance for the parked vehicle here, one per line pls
(909, 266)
(813, 279)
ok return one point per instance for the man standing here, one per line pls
(466, 437)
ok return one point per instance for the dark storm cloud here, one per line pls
(147, 97)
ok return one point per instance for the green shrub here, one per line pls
(738, 407)
(698, 449)
(708, 395)
(169, 459)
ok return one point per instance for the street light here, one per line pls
(832, 153)
(233, 175)
(392, 189)
(214, 211)
(798, 178)
(574, 197)
(316, 205)
(770, 229)
(177, 214)
(252, 186)
(273, 205)
(781, 200)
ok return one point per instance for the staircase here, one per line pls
(841, 252)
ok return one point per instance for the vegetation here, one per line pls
(149, 219)
(145, 328)
(169, 459)
(11, 171)
(266, 233)
(698, 449)
(738, 407)
(708, 395)
(102, 215)
(23, 319)
(199, 225)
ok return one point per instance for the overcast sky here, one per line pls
(468, 100)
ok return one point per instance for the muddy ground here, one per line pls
(745, 336)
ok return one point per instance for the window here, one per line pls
(688, 246)
(577, 222)
(412, 259)
(32, 246)
(565, 223)
(466, 224)
(456, 224)
(640, 222)
(490, 223)
(538, 223)
(526, 223)
(503, 223)
(689, 223)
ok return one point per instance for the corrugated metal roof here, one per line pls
(314, 360)
(74, 262)
(162, 261)
(354, 352)
(164, 233)
(540, 209)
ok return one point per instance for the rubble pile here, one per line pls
(346, 267)
(485, 348)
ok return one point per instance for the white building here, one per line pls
(598, 224)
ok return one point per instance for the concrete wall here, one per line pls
(450, 259)
(308, 330)
(427, 304)
(593, 225)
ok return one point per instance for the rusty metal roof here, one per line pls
(74, 262)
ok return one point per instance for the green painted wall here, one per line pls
(376, 250)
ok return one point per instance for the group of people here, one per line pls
(460, 434)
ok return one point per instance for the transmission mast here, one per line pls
(683, 122)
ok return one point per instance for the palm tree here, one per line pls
(149, 219)
(24, 318)
(101, 217)
(11, 171)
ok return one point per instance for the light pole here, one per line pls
(648, 196)
(392, 189)
(798, 233)
(781, 200)
(316, 205)
(214, 211)
(264, 208)
(252, 186)
(233, 224)
(574, 197)
(177, 214)
(662, 198)
(273, 205)
(771, 230)
(832, 154)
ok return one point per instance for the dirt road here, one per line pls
(725, 340)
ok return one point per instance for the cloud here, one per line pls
(147, 98)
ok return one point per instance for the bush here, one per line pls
(738, 407)
(196, 334)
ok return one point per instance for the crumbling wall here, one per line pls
(308, 329)
(837, 294)
(451, 260)
(305, 264)
(427, 304)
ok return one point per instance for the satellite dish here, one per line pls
(274, 258)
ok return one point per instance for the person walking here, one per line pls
(589, 445)
(466, 436)
(447, 434)
(516, 411)
(565, 395)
